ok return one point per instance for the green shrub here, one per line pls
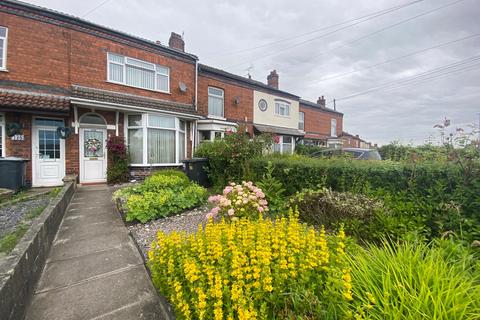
(163, 194)
(118, 163)
(324, 207)
(273, 190)
(414, 281)
(307, 150)
(228, 158)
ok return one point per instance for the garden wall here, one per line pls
(20, 270)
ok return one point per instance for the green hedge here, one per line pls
(297, 173)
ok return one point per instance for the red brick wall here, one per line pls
(350, 142)
(233, 112)
(43, 53)
(318, 121)
(21, 149)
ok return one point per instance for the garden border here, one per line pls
(20, 270)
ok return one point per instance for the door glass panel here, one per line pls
(93, 143)
(48, 144)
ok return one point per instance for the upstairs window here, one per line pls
(215, 102)
(282, 108)
(138, 73)
(3, 48)
(333, 127)
(301, 121)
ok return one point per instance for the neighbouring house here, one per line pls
(323, 126)
(228, 100)
(354, 141)
(71, 73)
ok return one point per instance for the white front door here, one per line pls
(48, 157)
(93, 155)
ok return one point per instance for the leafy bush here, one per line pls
(253, 270)
(162, 194)
(228, 158)
(324, 207)
(118, 162)
(274, 191)
(239, 201)
(414, 281)
(307, 150)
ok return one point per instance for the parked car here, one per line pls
(356, 153)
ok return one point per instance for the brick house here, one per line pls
(323, 126)
(71, 73)
(68, 86)
(354, 141)
(228, 100)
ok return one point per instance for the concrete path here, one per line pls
(94, 270)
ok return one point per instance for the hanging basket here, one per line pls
(13, 128)
(64, 132)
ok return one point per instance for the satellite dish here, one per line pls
(182, 86)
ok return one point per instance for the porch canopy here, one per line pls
(279, 130)
(19, 100)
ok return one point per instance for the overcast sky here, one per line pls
(313, 58)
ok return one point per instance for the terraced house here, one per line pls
(70, 84)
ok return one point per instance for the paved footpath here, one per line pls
(94, 270)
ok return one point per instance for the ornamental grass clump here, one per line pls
(253, 269)
(238, 201)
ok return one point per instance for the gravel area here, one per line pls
(11, 215)
(188, 221)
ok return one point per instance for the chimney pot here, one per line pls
(176, 42)
(272, 79)
(321, 101)
(158, 42)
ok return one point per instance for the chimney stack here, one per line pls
(176, 42)
(321, 101)
(272, 79)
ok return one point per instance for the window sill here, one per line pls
(279, 115)
(4, 70)
(126, 85)
(216, 117)
(156, 165)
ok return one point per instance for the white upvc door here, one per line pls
(93, 155)
(48, 156)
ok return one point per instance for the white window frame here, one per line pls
(280, 143)
(301, 121)
(4, 53)
(333, 127)
(2, 131)
(155, 68)
(222, 96)
(282, 105)
(145, 126)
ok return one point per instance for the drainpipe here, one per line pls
(194, 142)
(196, 83)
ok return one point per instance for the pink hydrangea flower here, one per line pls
(260, 209)
(231, 212)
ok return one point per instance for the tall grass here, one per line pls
(414, 281)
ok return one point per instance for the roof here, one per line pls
(60, 18)
(33, 100)
(346, 134)
(244, 80)
(130, 99)
(278, 130)
(318, 106)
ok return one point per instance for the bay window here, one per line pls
(215, 102)
(155, 139)
(3, 48)
(138, 73)
(282, 108)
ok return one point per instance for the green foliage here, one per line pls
(228, 158)
(273, 190)
(163, 194)
(415, 281)
(324, 207)
(9, 241)
(307, 150)
(118, 162)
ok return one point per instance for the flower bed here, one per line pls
(163, 194)
(252, 269)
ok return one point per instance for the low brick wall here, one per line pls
(20, 270)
